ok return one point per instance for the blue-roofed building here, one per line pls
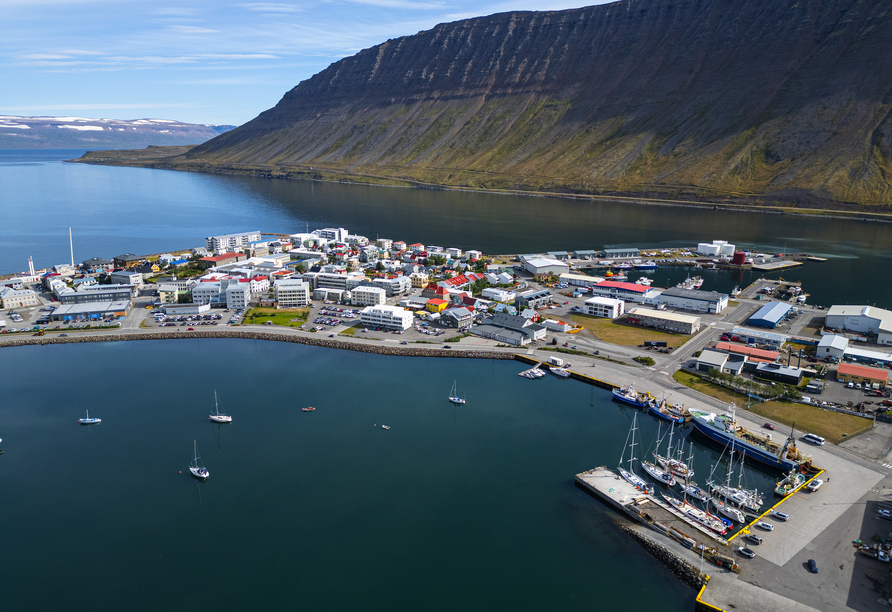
(770, 315)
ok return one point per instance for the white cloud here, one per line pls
(186, 29)
(272, 7)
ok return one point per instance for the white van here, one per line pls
(812, 438)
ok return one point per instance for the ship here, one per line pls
(669, 412)
(788, 484)
(628, 395)
(724, 429)
(703, 517)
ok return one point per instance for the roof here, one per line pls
(834, 341)
(863, 371)
(779, 369)
(622, 250)
(436, 301)
(695, 294)
(222, 257)
(664, 316)
(628, 287)
(747, 350)
(772, 312)
(605, 301)
(847, 311)
(541, 262)
(712, 358)
(459, 312)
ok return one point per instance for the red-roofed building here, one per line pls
(219, 260)
(625, 291)
(436, 305)
(434, 291)
(849, 372)
(756, 354)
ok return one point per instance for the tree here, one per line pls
(300, 268)
(380, 266)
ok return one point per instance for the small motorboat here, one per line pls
(385, 427)
(308, 409)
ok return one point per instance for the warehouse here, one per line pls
(665, 321)
(770, 315)
(864, 319)
(92, 310)
(752, 353)
(832, 345)
(755, 336)
(629, 292)
(694, 299)
(545, 265)
(849, 372)
(779, 373)
(624, 253)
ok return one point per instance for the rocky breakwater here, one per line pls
(685, 571)
(402, 351)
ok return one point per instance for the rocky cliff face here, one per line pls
(718, 98)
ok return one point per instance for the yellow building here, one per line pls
(436, 305)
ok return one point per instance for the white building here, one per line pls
(230, 242)
(206, 292)
(717, 248)
(292, 293)
(388, 317)
(453, 252)
(126, 277)
(368, 296)
(238, 294)
(610, 308)
(665, 321)
(545, 265)
(832, 345)
(473, 255)
(357, 240)
(863, 319)
(581, 280)
(334, 234)
(385, 243)
(393, 286)
(694, 299)
(499, 295)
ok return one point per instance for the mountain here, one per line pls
(80, 133)
(743, 100)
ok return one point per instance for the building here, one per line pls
(624, 253)
(435, 291)
(386, 317)
(168, 293)
(756, 336)
(750, 352)
(419, 279)
(777, 372)
(533, 299)
(628, 292)
(868, 357)
(587, 254)
(510, 329)
(473, 255)
(96, 293)
(206, 292)
(849, 372)
(384, 243)
(664, 321)
(457, 317)
(336, 280)
(580, 280)
(96, 264)
(770, 315)
(185, 309)
(230, 242)
(368, 296)
(93, 310)
(399, 285)
(292, 293)
(498, 295)
(237, 294)
(436, 305)
(559, 255)
(863, 319)
(711, 360)
(356, 240)
(221, 260)
(545, 265)
(18, 298)
(832, 345)
(127, 260)
(598, 306)
(126, 277)
(694, 299)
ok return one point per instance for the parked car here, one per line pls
(746, 552)
(814, 485)
(768, 426)
(781, 516)
(765, 526)
(753, 538)
(812, 566)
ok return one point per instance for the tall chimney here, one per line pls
(71, 246)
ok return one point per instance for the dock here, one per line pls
(774, 266)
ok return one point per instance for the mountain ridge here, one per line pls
(707, 99)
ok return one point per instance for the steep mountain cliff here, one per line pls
(785, 100)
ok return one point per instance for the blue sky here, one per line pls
(198, 61)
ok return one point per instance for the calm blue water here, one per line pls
(453, 508)
(117, 210)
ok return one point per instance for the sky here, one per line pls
(197, 61)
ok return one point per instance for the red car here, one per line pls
(193, 329)
(768, 426)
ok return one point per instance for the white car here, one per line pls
(814, 485)
(765, 526)
(781, 516)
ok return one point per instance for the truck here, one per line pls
(557, 361)
(880, 552)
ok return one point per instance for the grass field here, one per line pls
(284, 317)
(352, 329)
(623, 334)
(826, 423)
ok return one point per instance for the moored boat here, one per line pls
(453, 395)
(560, 371)
(728, 510)
(308, 409)
(628, 395)
(629, 474)
(659, 474)
(702, 517)
(789, 483)
(216, 416)
(195, 467)
(661, 410)
(88, 420)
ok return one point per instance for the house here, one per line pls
(219, 260)
(457, 317)
(711, 360)
(127, 260)
(436, 305)
(598, 306)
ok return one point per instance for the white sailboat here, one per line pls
(629, 474)
(216, 416)
(453, 395)
(195, 468)
(88, 420)
(692, 489)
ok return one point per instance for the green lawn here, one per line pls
(284, 317)
(624, 334)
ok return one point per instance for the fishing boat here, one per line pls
(647, 265)
(628, 395)
(629, 474)
(702, 517)
(88, 420)
(725, 430)
(195, 468)
(690, 283)
(453, 395)
(661, 409)
(788, 484)
(308, 409)
(736, 291)
(216, 416)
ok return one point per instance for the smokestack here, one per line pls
(31, 266)
(71, 246)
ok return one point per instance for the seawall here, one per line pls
(684, 570)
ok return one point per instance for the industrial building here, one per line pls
(220, 260)
(849, 372)
(716, 248)
(545, 265)
(92, 310)
(96, 293)
(832, 345)
(751, 352)
(755, 336)
(580, 280)
(621, 253)
(770, 315)
(609, 308)
(510, 329)
(863, 319)
(694, 299)
(777, 372)
(628, 292)
(665, 321)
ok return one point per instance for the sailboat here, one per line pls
(748, 499)
(217, 417)
(88, 420)
(691, 488)
(629, 474)
(453, 395)
(672, 464)
(195, 468)
(655, 471)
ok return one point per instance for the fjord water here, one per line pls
(469, 507)
(117, 210)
